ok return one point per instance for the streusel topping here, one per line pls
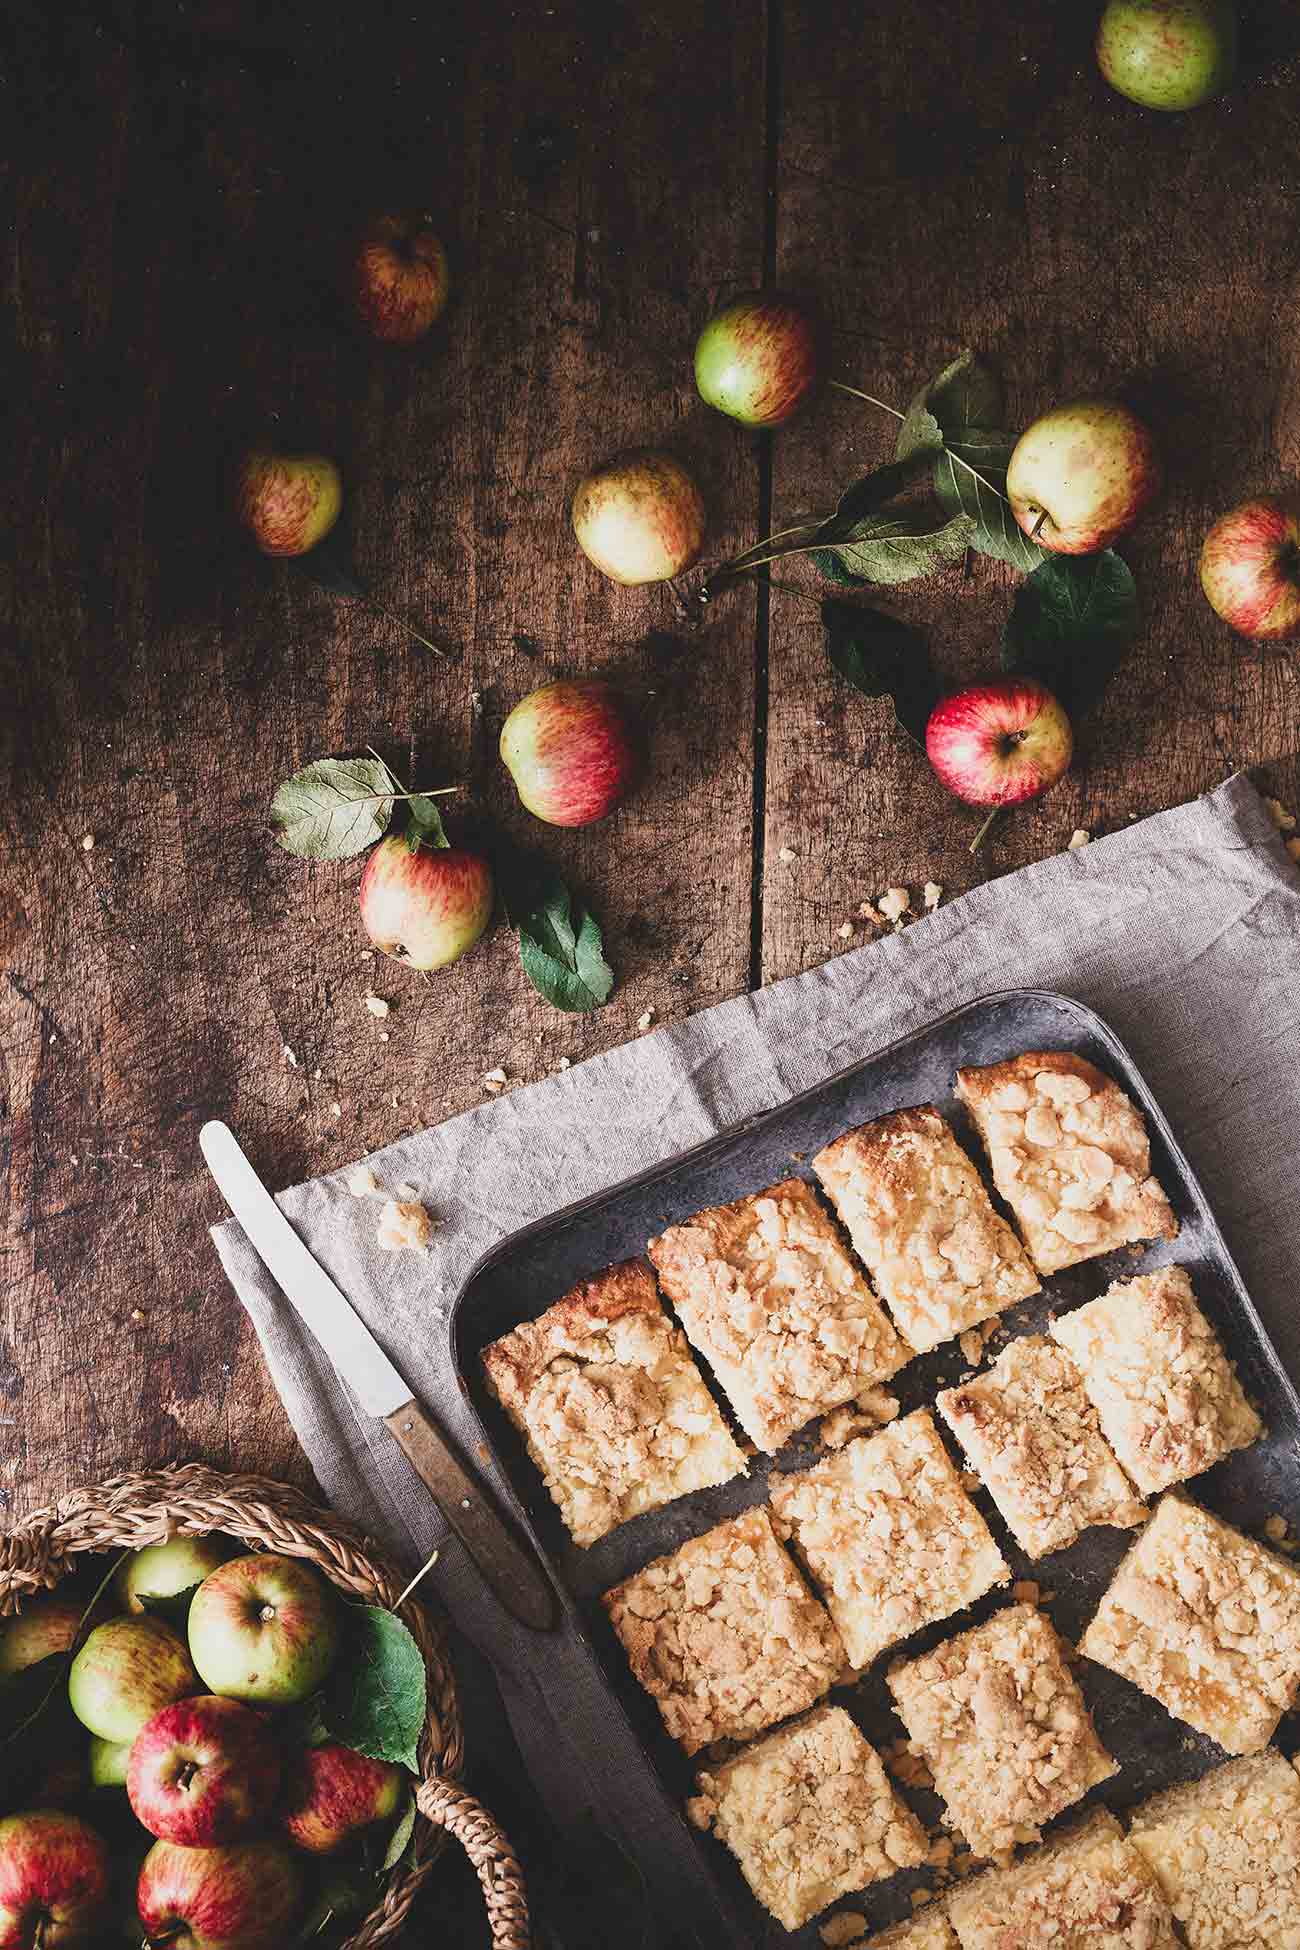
(783, 1315)
(1070, 1155)
(1088, 1890)
(725, 1635)
(997, 1716)
(1028, 1427)
(1168, 1397)
(1226, 1851)
(919, 1216)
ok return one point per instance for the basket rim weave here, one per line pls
(128, 1511)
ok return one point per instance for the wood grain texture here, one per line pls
(179, 185)
(972, 181)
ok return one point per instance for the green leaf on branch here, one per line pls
(901, 548)
(345, 1892)
(1071, 625)
(333, 808)
(966, 393)
(424, 823)
(882, 657)
(374, 1700)
(872, 493)
(562, 951)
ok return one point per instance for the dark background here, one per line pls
(177, 181)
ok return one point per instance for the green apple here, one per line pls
(264, 1629)
(127, 1671)
(639, 517)
(1082, 474)
(43, 1627)
(108, 1759)
(159, 1572)
(1168, 54)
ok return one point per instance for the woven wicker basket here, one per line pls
(127, 1512)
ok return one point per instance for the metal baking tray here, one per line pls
(704, 1897)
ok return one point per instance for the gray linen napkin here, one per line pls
(1183, 931)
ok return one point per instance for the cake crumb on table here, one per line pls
(1280, 815)
(377, 1006)
(404, 1226)
(362, 1182)
(894, 903)
(1078, 839)
(845, 1928)
(931, 894)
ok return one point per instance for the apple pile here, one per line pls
(184, 1753)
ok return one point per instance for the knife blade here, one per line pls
(506, 1564)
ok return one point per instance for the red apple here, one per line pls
(54, 1881)
(999, 743)
(1250, 566)
(127, 1671)
(44, 1626)
(263, 1629)
(287, 502)
(757, 360)
(570, 751)
(203, 1772)
(245, 1897)
(1081, 475)
(334, 1794)
(427, 907)
(639, 517)
(397, 278)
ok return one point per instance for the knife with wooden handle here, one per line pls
(506, 1563)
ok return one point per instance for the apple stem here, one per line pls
(985, 829)
(405, 624)
(1038, 526)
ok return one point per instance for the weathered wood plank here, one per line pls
(974, 182)
(177, 199)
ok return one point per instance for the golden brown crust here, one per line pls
(999, 1720)
(777, 1307)
(929, 1929)
(1027, 1425)
(1070, 1155)
(725, 1635)
(810, 1815)
(1226, 1851)
(1086, 1890)
(612, 1408)
(921, 1221)
(1206, 1621)
(889, 1534)
(1167, 1395)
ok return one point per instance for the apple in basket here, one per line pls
(54, 1881)
(153, 1578)
(203, 1772)
(263, 1629)
(128, 1670)
(334, 1795)
(639, 517)
(46, 1626)
(248, 1896)
(108, 1762)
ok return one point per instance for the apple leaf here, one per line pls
(882, 657)
(26, 1696)
(966, 393)
(1071, 623)
(400, 1839)
(562, 952)
(374, 1700)
(344, 1892)
(899, 548)
(173, 1610)
(424, 823)
(304, 1725)
(333, 808)
(970, 478)
(871, 493)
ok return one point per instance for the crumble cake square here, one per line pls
(810, 1815)
(725, 1635)
(1168, 1397)
(889, 1534)
(1226, 1852)
(1087, 1890)
(1070, 1156)
(1028, 1427)
(1000, 1722)
(929, 1929)
(921, 1221)
(778, 1308)
(612, 1409)
(1206, 1621)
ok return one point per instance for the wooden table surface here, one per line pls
(179, 177)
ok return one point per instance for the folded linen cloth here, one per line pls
(1182, 931)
